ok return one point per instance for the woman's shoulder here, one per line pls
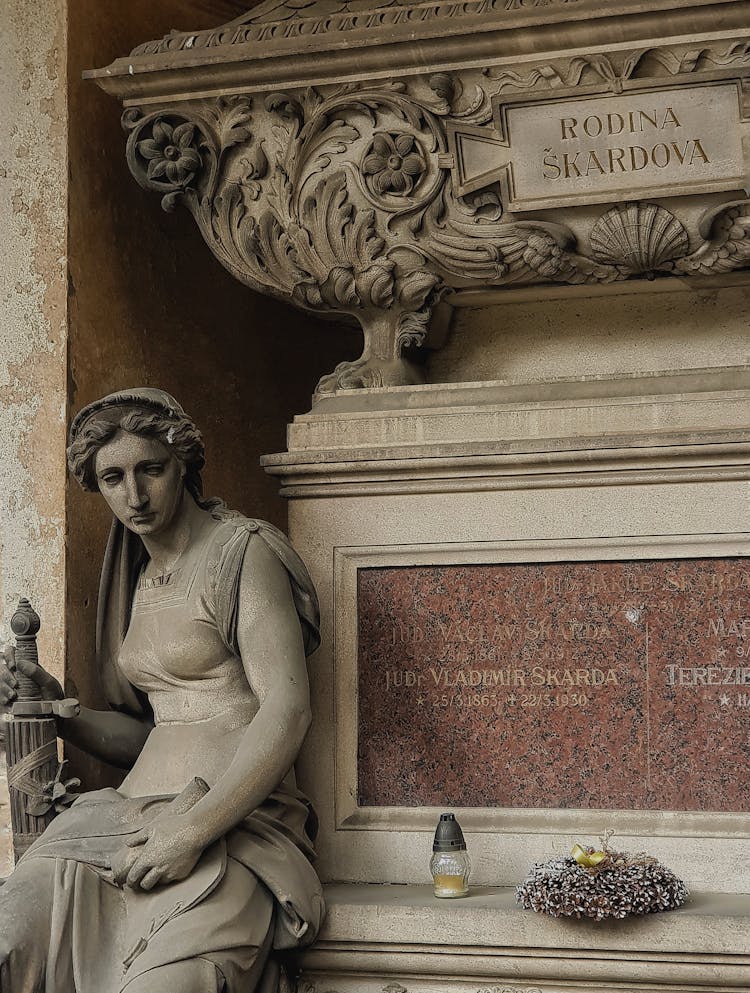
(236, 562)
(234, 529)
(226, 535)
(236, 538)
(230, 543)
(230, 523)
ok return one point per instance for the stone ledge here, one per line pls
(490, 918)
(678, 427)
(377, 934)
(703, 405)
(449, 34)
(563, 389)
(647, 420)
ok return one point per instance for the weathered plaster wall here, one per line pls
(33, 201)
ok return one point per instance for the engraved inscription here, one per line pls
(630, 157)
(686, 139)
(593, 684)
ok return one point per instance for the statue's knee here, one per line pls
(6, 950)
(25, 913)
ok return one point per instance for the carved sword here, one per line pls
(34, 772)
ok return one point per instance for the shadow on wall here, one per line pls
(149, 305)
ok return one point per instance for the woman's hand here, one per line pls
(164, 852)
(11, 665)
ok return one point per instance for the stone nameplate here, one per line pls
(596, 149)
(610, 685)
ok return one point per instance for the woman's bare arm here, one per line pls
(270, 642)
(108, 735)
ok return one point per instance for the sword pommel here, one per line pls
(25, 625)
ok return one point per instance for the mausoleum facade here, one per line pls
(460, 291)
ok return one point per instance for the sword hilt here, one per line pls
(25, 626)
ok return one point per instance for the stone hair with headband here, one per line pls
(149, 412)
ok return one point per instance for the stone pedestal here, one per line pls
(622, 504)
(632, 490)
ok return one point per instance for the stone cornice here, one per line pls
(705, 463)
(255, 51)
(324, 20)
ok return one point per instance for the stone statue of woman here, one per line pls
(195, 872)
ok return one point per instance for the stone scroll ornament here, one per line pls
(342, 201)
(35, 777)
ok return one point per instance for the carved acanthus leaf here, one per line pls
(231, 118)
(515, 253)
(726, 245)
(449, 89)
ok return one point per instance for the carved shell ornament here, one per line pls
(641, 237)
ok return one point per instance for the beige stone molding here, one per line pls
(395, 477)
(377, 187)
(678, 427)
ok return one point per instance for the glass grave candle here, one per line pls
(450, 864)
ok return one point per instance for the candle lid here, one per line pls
(448, 835)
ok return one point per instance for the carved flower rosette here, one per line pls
(171, 153)
(393, 165)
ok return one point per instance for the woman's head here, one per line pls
(147, 414)
(176, 432)
(142, 481)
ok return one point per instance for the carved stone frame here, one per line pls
(503, 821)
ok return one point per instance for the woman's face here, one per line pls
(141, 480)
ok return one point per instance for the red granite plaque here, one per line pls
(616, 685)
